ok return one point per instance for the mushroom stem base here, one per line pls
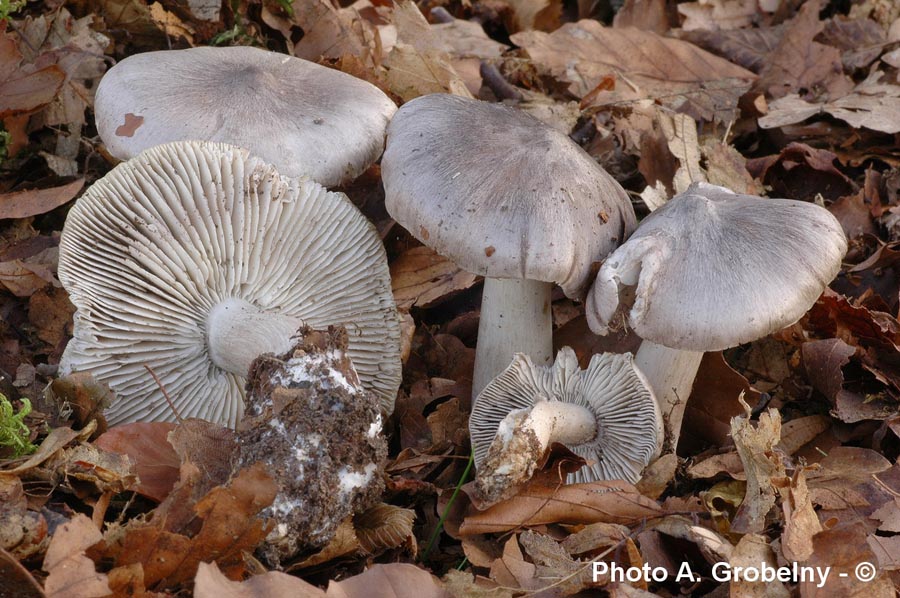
(515, 318)
(522, 440)
(237, 332)
(670, 373)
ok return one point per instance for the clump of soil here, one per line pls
(319, 431)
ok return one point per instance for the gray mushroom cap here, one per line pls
(629, 426)
(714, 269)
(500, 193)
(153, 247)
(297, 115)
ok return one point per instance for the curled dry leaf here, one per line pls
(609, 502)
(383, 527)
(762, 464)
(23, 533)
(800, 520)
(16, 577)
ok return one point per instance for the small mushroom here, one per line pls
(507, 197)
(709, 270)
(319, 432)
(605, 413)
(303, 118)
(194, 258)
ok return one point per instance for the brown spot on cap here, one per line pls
(489, 250)
(603, 216)
(132, 124)
(424, 232)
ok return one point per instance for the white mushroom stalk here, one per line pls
(606, 413)
(710, 270)
(194, 258)
(509, 198)
(515, 314)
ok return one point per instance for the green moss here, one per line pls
(13, 431)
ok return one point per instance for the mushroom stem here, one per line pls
(523, 438)
(670, 373)
(515, 318)
(237, 332)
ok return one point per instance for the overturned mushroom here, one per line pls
(297, 115)
(194, 258)
(319, 432)
(709, 270)
(605, 413)
(505, 196)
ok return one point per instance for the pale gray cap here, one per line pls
(500, 193)
(714, 269)
(153, 247)
(629, 425)
(303, 118)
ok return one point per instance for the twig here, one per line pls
(165, 394)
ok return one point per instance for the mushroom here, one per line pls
(709, 270)
(605, 413)
(194, 258)
(301, 117)
(507, 197)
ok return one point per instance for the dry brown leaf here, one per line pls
(726, 167)
(871, 104)
(24, 88)
(643, 14)
(395, 580)
(748, 48)
(412, 73)
(71, 573)
(81, 398)
(24, 277)
(543, 15)
(155, 461)
(463, 39)
(383, 527)
(642, 65)
(714, 547)
(800, 520)
(800, 65)
(554, 566)
(331, 32)
(595, 537)
(210, 582)
(798, 432)
(762, 464)
(51, 445)
(461, 584)
(843, 548)
(18, 582)
(106, 471)
(610, 502)
(511, 570)
(753, 552)
(728, 463)
(227, 525)
(887, 550)
(422, 278)
(50, 312)
(718, 14)
(22, 204)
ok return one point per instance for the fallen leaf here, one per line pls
(24, 88)
(762, 464)
(383, 527)
(155, 461)
(642, 64)
(71, 573)
(18, 581)
(871, 104)
(887, 551)
(800, 520)
(211, 583)
(22, 204)
(843, 548)
(748, 48)
(753, 553)
(642, 14)
(800, 65)
(801, 172)
(609, 502)
(718, 14)
(512, 570)
(23, 533)
(422, 278)
(555, 566)
(394, 580)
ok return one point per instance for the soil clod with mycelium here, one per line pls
(309, 419)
